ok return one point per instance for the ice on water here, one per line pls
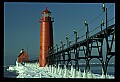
(32, 70)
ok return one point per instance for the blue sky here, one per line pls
(22, 27)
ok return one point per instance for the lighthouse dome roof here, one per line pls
(46, 11)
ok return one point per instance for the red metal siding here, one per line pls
(46, 38)
(23, 57)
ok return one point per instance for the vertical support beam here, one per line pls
(69, 56)
(107, 44)
(87, 47)
(76, 56)
(87, 54)
(57, 58)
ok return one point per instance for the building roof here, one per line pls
(20, 54)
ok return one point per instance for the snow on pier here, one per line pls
(32, 70)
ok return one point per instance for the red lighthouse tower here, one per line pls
(46, 36)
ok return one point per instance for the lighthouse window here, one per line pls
(49, 14)
(42, 15)
(46, 15)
